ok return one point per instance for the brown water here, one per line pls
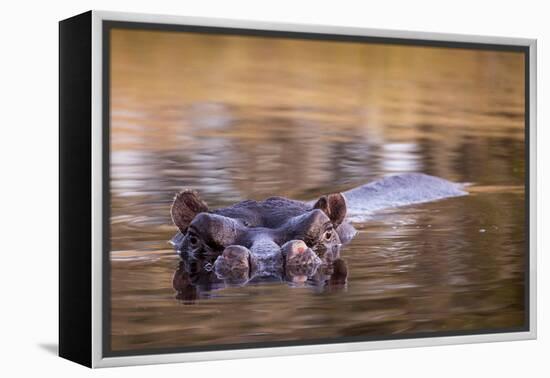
(247, 118)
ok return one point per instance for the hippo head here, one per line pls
(250, 233)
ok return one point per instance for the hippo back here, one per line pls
(399, 190)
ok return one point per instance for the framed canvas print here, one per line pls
(233, 189)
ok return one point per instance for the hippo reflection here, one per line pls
(196, 277)
(279, 235)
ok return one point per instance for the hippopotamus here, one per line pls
(254, 237)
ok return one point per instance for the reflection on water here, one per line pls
(238, 118)
(195, 278)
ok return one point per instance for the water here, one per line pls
(247, 118)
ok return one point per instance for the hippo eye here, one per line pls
(327, 235)
(193, 240)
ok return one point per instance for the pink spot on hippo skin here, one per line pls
(301, 249)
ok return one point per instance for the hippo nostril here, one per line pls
(296, 248)
(233, 259)
(235, 251)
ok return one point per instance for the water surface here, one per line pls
(247, 118)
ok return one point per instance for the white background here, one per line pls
(29, 206)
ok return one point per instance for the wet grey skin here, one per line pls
(255, 238)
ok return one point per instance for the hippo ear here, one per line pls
(334, 206)
(186, 206)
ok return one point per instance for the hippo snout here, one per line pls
(239, 261)
(234, 260)
(297, 253)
